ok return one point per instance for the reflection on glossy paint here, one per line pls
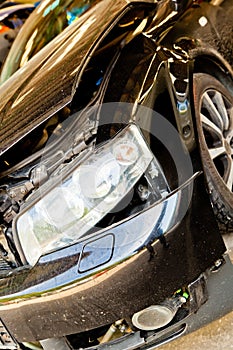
(74, 41)
(51, 7)
(28, 48)
(43, 5)
(49, 19)
(21, 98)
(203, 21)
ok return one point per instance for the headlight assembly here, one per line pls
(93, 189)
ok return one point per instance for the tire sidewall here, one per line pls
(201, 83)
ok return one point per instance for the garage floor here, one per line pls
(217, 335)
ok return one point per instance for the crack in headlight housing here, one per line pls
(94, 188)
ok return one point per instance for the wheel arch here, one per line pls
(211, 62)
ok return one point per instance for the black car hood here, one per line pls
(47, 82)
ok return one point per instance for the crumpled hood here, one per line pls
(45, 84)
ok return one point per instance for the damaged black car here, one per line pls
(116, 177)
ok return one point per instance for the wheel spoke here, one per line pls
(215, 152)
(218, 99)
(214, 113)
(228, 176)
(229, 136)
(211, 127)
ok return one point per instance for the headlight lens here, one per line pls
(94, 188)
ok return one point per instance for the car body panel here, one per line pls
(101, 295)
(49, 19)
(49, 68)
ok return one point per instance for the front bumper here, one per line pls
(86, 285)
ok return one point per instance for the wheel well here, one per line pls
(215, 68)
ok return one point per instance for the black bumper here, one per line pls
(62, 295)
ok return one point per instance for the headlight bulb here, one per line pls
(125, 152)
(96, 180)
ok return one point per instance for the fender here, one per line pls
(179, 52)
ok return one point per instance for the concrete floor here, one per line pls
(215, 336)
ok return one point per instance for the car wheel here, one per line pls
(213, 106)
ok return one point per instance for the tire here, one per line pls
(213, 106)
